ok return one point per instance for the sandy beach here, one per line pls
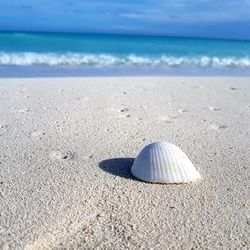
(67, 145)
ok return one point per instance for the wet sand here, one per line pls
(67, 145)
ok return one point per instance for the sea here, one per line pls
(72, 54)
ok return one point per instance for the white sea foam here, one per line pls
(102, 60)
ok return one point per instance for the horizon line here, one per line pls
(123, 34)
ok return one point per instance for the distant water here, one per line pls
(64, 52)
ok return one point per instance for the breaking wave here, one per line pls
(104, 60)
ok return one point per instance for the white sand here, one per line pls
(61, 187)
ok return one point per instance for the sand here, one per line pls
(67, 145)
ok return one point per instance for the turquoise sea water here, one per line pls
(64, 52)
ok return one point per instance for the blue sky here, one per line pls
(202, 18)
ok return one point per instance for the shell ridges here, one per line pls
(163, 162)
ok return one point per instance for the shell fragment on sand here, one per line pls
(163, 162)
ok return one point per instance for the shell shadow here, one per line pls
(118, 167)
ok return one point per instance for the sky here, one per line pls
(192, 18)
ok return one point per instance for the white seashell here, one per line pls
(163, 162)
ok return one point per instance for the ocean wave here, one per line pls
(104, 60)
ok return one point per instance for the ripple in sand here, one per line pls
(24, 110)
(38, 134)
(125, 116)
(164, 119)
(217, 126)
(197, 87)
(62, 155)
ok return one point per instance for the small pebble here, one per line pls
(182, 110)
(124, 109)
(3, 125)
(214, 108)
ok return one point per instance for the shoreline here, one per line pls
(67, 145)
(73, 71)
